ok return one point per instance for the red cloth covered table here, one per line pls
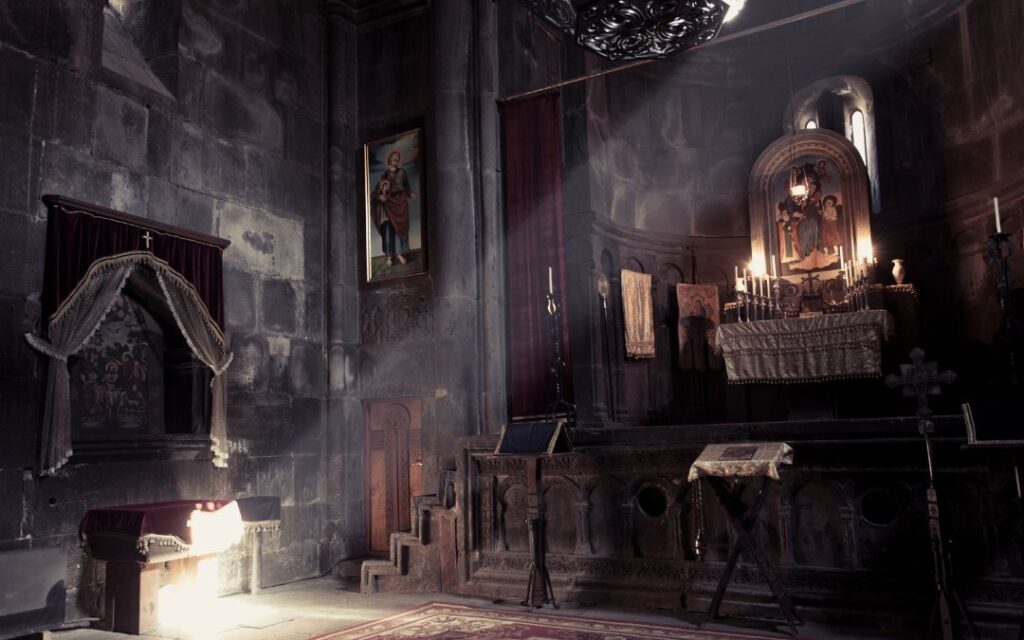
(164, 519)
(146, 546)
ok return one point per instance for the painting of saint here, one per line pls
(699, 318)
(394, 206)
(809, 223)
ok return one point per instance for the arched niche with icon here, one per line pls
(810, 208)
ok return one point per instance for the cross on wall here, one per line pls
(148, 238)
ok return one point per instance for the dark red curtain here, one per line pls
(77, 239)
(534, 242)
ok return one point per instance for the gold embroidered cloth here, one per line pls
(638, 312)
(747, 459)
(829, 347)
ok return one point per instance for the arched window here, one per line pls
(844, 104)
(858, 133)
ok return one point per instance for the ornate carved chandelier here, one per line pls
(634, 29)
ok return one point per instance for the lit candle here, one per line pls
(551, 282)
(995, 205)
(775, 271)
(736, 271)
(745, 289)
(842, 261)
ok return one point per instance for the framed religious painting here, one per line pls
(393, 179)
(809, 210)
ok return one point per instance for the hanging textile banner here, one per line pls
(638, 313)
(535, 244)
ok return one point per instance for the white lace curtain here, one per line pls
(80, 316)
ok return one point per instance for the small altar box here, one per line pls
(746, 459)
(150, 546)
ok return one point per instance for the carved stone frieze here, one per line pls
(400, 315)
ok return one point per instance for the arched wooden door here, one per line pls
(393, 467)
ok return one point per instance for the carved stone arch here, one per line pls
(772, 169)
(609, 265)
(819, 524)
(512, 530)
(634, 264)
(670, 274)
(608, 510)
(561, 505)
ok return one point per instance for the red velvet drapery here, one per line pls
(80, 233)
(533, 226)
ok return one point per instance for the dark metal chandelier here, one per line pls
(634, 29)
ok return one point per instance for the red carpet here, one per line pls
(436, 621)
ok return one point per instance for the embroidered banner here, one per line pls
(638, 312)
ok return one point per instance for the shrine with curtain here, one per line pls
(133, 307)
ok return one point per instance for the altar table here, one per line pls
(815, 349)
(147, 546)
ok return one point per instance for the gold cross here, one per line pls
(147, 238)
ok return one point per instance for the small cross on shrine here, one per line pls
(147, 238)
(809, 281)
(920, 379)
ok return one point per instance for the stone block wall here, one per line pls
(235, 149)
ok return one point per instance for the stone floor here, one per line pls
(304, 610)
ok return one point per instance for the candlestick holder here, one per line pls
(560, 406)
(998, 254)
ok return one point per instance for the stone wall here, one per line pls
(223, 136)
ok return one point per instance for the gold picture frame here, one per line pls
(395, 209)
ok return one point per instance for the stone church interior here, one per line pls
(345, 319)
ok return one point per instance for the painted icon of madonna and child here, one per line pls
(809, 217)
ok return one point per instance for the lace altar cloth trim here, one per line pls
(747, 459)
(791, 350)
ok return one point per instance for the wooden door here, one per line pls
(394, 465)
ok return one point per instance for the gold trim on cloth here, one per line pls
(747, 459)
(638, 314)
(790, 350)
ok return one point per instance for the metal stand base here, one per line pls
(538, 586)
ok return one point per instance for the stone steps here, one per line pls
(387, 575)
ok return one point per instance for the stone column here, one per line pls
(344, 437)
(454, 238)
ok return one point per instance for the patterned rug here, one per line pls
(436, 621)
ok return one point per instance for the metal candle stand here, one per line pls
(753, 304)
(855, 289)
(998, 253)
(539, 591)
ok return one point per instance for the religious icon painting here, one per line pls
(393, 179)
(809, 208)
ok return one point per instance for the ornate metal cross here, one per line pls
(148, 238)
(920, 379)
(809, 280)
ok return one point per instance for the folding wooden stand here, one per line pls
(745, 521)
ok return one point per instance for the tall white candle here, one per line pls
(775, 271)
(842, 260)
(995, 205)
(736, 271)
(551, 282)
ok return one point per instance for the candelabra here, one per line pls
(856, 291)
(758, 299)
